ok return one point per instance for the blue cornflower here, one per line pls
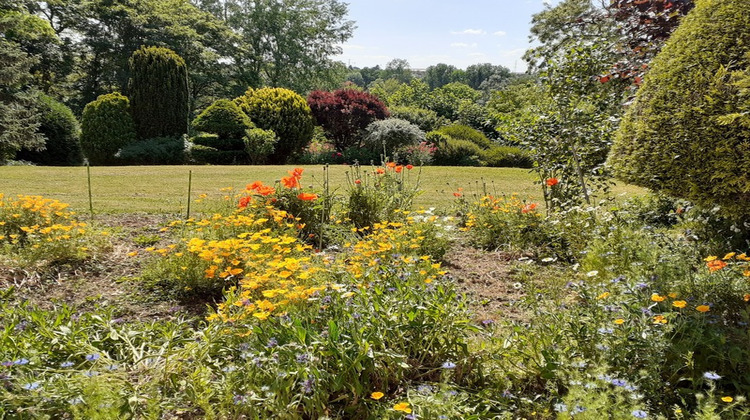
(7, 363)
(619, 382)
(449, 365)
(303, 358)
(91, 373)
(711, 376)
(21, 362)
(639, 414)
(66, 364)
(272, 342)
(308, 386)
(31, 386)
(92, 357)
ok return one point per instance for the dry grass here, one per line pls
(163, 189)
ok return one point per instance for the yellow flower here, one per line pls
(603, 295)
(727, 399)
(657, 298)
(132, 254)
(746, 297)
(619, 321)
(403, 407)
(679, 304)
(703, 308)
(376, 395)
(730, 255)
(710, 258)
(658, 319)
(673, 295)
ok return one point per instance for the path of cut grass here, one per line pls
(163, 189)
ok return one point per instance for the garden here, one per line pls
(570, 243)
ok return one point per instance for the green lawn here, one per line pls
(163, 189)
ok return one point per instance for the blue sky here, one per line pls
(427, 32)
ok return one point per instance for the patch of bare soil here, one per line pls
(107, 279)
(486, 278)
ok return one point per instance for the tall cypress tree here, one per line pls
(158, 92)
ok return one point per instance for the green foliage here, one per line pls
(61, 129)
(212, 140)
(379, 196)
(205, 155)
(454, 152)
(427, 120)
(464, 132)
(158, 91)
(259, 144)
(106, 127)
(283, 112)
(156, 151)
(223, 118)
(507, 157)
(392, 134)
(413, 94)
(447, 99)
(679, 137)
(19, 119)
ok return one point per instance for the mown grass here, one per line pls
(163, 189)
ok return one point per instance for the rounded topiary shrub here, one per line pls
(61, 128)
(464, 132)
(684, 134)
(259, 144)
(158, 91)
(106, 127)
(507, 157)
(457, 153)
(223, 118)
(283, 112)
(392, 134)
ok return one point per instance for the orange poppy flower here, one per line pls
(551, 182)
(399, 168)
(307, 196)
(265, 190)
(391, 164)
(290, 182)
(244, 201)
(410, 167)
(380, 171)
(715, 265)
(357, 181)
(254, 186)
(297, 172)
(703, 308)
(528, 208)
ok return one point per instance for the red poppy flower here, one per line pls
(358, 181)
(410, 167)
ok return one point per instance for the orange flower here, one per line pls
(244, 201)
(528, 208)
(658, 319)
(296, 173)
(265, 190)
(358, 181)
(380, 171)
(290, 181)
(376, 395)
(459, 193)
(746, 297)
(551, 182)
(307, 196)
(410, 167)
(658, 298)
(715, 265)
(703, 308)
(254, 186)
(399, 168)
(403, 407)
(391, 164)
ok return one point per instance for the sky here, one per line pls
(428, 32)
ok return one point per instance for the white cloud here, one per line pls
(463, 45)
(500, 33)
(469, 32)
